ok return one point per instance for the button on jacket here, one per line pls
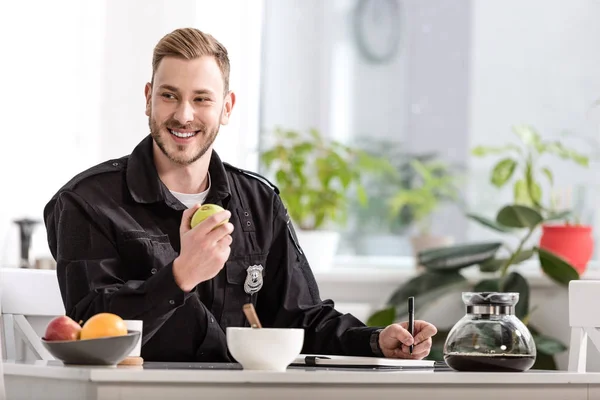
(114, 232)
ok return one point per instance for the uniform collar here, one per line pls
(146, 187)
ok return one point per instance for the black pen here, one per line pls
(411, 320)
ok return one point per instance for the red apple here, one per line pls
(62, 328)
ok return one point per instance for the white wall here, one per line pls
(74, 81)
(314, 76)
(438, 52)
(49, 108)
(534, 62)
(294, 72)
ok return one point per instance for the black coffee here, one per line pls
(489, 362)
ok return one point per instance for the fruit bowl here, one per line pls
(100, 351)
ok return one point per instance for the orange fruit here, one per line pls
(103, 325)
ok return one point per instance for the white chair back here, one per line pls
(2, 385)
(27, 293)
(584, 295)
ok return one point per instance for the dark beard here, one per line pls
(155, 133)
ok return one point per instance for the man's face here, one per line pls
(185, 106)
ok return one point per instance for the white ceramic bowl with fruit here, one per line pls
(102, 340)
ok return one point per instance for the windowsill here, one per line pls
(367, 269)
(386, 270)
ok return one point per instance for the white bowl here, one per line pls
(265, 349)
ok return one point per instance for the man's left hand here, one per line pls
(395, 340)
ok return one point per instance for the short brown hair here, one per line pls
(191, 43)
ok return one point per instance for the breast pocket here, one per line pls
(245, 277)
(144, 254)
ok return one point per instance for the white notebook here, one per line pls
(351, 361)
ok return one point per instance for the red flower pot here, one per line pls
(574, 243)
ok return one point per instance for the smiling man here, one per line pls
(120, 232)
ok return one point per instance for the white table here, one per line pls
(51, 380)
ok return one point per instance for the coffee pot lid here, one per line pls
(490, 298)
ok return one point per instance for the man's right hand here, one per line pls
(204, 250)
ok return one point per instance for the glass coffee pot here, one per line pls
(490, 337)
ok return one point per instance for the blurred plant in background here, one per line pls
(523, 164)
(433, 183)
(318, 176)
(400, 200)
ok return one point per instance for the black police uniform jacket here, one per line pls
(114, 233)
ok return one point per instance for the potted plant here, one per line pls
(374, 229)
(442, 275)
(574, 242)
(317, 177)
(522, 164)
(434, 183)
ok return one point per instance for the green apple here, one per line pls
(204, 212)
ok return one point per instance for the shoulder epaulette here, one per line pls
(104, 167)
(253, 175)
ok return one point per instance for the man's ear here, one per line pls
(227, 108)
(148, 94)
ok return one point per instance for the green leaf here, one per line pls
(492, 265)
(426, 288)
(383, 317)
(480, 151)
(568, 154)
(421, 169)
(289, 134)
(424, 284)
(503, 171)
(490, 223)
(529, 136)
(437, 345)
(534, 331)
(548, 345)
(534, 190)
(549, 175)
(517, 216)
(456, 257)
(521, 193)
(314, 133)
(362, 195)
(514, 282)
(527, 318)
(544, 362)
(555, 216)
(487, 285)
(281, 177)
(524, 255)
(557, 268)
(495, 264)
(302, 149)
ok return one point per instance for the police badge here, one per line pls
(254, 279)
